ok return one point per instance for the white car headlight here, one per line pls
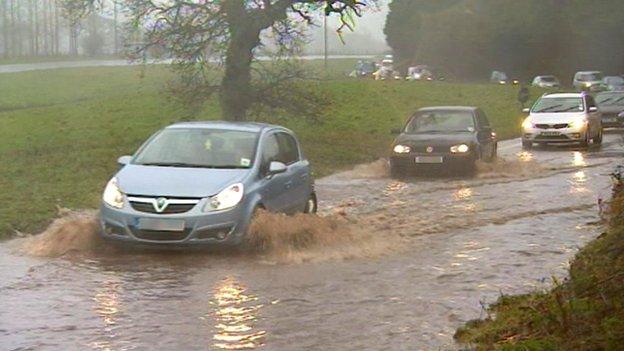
(113, 195)
(527, 124)
(227, 198)
(579, 123)
(402, 149)
(463, 148)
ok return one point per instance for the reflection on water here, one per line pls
(578, 182)
(525, 156)
(463, 193)
(107, 307)
(578, 159)
(235, 314)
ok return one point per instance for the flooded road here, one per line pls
(462, 242)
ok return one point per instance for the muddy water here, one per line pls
(454, 244)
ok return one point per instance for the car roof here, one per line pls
(564, 95)
(588, 72)
(448, 108)
(546, 76)
(238, 126)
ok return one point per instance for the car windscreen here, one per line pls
(610, 99)
(614, 80)
(441, 122)
(560, 104)
(202, 148)
(590, 77)
(549, 79)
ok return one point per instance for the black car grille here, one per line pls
(156, 235)
(551, 126)
(551, 137)
(171, 209)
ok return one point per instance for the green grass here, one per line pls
(585, 312)
(61, 131)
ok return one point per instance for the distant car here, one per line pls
(499, 77)
(588, 81)
(611, 106)
(421, 72)
(613, 83)
(562, 118)
(199, 183)
(546, 82)
(443, 136)
(365, 68)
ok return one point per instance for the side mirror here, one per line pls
(526, 110)
(621, 114)
(276, 167)
(124, 160)
(593, 109)
(395, 131)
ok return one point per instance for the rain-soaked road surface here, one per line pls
(463, 242)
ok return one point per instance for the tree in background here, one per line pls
(197, 32)
(470, 38)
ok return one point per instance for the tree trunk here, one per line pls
(5, 28)
(236, 91)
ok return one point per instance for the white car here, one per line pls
(562, 118)
(546, 82)
(588, 81)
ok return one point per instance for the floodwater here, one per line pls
(410, 261)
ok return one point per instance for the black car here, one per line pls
(611, 106)
(443, 137)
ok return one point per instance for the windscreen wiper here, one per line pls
(174, 164)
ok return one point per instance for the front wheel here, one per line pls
(598, 139)
(396, 172)
(585, 142)
(311, 205)
(527, 144)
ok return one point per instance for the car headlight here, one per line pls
(579, 123)
(113, 195)
(463, 148)
(402, 149)
(527, 124)
(227, 198)
(502, 82)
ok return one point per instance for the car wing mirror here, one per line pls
(395, 131)
(526, 110)
(124, 160)
(593, 109)
(277, 167)
(621, 114)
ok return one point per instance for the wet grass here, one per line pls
(585, 312)
(61, 131)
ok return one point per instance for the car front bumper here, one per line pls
(563, 135)
(416, 160)
(226, 228)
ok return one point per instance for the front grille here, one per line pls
(174, 206)
(171, 209)
(551, 126)
(552, 137)
(156, 235)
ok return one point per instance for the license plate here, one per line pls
(609, 119)
(165, 225)
(429, 159)
(551, 133)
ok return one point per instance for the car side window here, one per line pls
(590, 102)
(288, 149)
(482, 120)
(270, 151)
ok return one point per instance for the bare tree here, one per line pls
(196, 31)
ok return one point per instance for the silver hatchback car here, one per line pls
(201, 183)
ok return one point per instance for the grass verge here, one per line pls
(585, 312)
(62, 130)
